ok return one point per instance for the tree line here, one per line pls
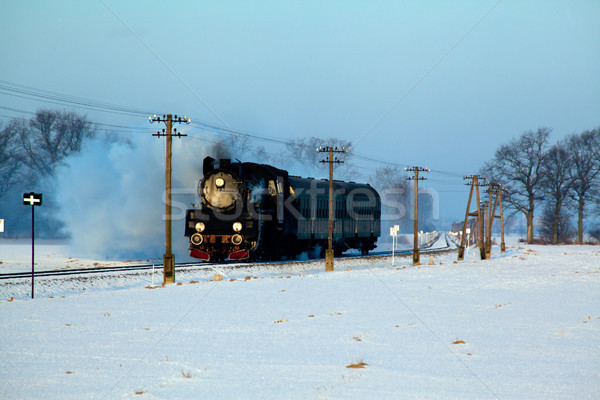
(563, 178)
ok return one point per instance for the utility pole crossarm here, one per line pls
(168, 257)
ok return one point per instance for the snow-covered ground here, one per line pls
(15, 256)
(523, 325)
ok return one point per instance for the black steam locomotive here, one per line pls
(256, 211)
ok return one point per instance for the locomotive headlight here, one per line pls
(200, 226)
(236, 239)
(237, 226)
(219, 182)
(197, 239)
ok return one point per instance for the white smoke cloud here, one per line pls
(111, 197)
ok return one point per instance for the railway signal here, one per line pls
(330, 160)
(33, 200)
(416, 178)
(168, 257)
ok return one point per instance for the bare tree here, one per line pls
(304, 151)
(10, 162)
(595, 143)
(51, 136)
(517, 167)
(547, 228)
(396, 195)
(557, 183)
(595, 133)
(585, 172)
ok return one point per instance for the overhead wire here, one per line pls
(46, 96)
(31, 93)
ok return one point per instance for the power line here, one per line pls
(46, 96)
(31, 93)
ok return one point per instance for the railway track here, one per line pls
(101, 270)
(142, 267)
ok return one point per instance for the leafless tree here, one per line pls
(50, 137)
(595, 143)
(585, 172)
(517, 167)
(10, 161)
(547, 229)
(557, 183)
(304, 151)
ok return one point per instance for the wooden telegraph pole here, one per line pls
(416, 255)
(480, 219)
(330, 161)
(502, 244)
(168, 257)
(495, 189)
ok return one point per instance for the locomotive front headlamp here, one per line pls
(197, 239)
(219, 182)
(200, 226)
(237, 226)
(236, 239)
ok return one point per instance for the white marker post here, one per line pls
(33, 200)
(394, 233)
(468, 240)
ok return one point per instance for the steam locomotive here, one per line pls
(253, 211)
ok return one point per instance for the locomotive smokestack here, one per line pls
(208, 165)
(224, 163)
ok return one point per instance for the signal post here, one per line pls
(33, 200)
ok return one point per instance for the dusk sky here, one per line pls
(430, 83)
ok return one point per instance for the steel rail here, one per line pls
(142, 267)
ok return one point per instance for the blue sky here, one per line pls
(433, 83)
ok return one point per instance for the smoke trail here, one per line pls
(112, 197)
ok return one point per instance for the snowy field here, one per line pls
(523, 325)
(15, 256)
